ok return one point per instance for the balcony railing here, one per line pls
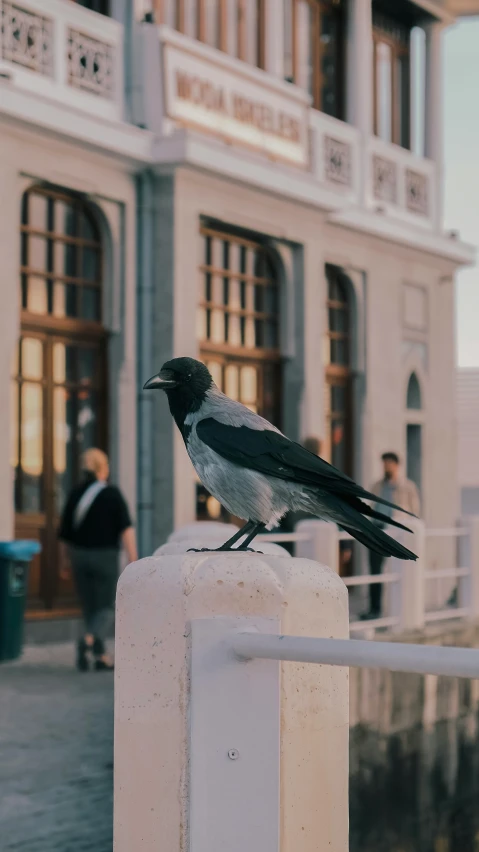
(336, 157)
(399, 183)
(61, 51)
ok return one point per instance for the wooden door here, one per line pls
(58, 379)
(58, 394)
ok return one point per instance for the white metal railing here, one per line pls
(319, 540)
(63, 52)
(408, 603)
(228, 731)
(399, 183)
(394, 656)
(459, 608)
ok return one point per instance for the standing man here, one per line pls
(403, 492)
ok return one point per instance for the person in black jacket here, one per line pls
(94, 524)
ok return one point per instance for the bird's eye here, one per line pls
(188, 377)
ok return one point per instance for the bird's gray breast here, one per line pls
(244, 493)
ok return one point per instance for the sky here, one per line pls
(461, 202)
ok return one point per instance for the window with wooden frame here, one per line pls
(238, 323)
(314, 51)
(391, 80)
(236, 27)
(58, 403)
(339, 433)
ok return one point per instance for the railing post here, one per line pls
(409, 595)
(164, 701)
(469, 586)
(322, 544)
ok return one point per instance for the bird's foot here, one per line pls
(222, 550)
(201, 550)
(249, 550)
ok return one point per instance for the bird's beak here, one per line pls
(164, 380)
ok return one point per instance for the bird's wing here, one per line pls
(273, 454)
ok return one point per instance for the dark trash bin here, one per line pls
(15, 558)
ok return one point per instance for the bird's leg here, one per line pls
(227, 545)
(254, 532)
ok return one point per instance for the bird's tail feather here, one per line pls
(376, 539)
(370, 512)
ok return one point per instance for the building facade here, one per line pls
(296, 217)
(468, 439)
(253, 182)
(68, 157)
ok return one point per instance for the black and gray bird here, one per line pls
(256, 472)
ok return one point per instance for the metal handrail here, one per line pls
(445, 614)
(398, 657)
(446, 573)
(363, 626)
(370, 579)
(446, 532)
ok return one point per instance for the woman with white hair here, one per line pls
(94, 524)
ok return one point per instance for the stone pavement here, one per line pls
(56, 754)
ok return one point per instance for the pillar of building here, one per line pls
(434, 129)
(359, 100)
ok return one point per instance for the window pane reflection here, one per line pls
(90, 264)
(32, 358)
(87, 419)
(232, 381)
(86, 363)
(215, 369)
(37, 300)
(15, 412)
(249, 389)
(32, 447)
(64, 362)
(338, 445)
(63, 444)
(90, 303)
(37, 211)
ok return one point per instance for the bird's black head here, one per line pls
(185, 382)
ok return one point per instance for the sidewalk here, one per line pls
(56, 746)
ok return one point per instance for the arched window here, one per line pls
(238, 322)
(338, 449)
(413, 398)
(414, 432)
(59, 373)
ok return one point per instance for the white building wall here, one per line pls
(468, 443)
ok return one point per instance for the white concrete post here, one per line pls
(409, 595)
(469, 586)
(159, 602)
(322, 544)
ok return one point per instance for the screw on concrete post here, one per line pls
(233, 754)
